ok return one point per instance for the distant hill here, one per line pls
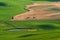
(48, 0)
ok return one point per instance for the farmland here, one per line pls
(39, 29)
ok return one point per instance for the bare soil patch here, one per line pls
(40, 11)
(2, 25)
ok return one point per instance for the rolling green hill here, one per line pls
(45, 30)
(12, 30)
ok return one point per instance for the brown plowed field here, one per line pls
(40, 11)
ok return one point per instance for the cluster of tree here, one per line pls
(2, 4)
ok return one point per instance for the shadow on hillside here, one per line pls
(27, 35)
(48, 0)
(2, 4)
(55, 9)
(46, 27)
